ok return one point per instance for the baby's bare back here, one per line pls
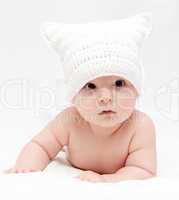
(100, 154)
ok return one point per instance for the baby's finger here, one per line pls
(94, 181)
(11, 170)
(27, 170)
(82, 178)
(23, 170)
(87, 178)
(7, 170)
(33, 170)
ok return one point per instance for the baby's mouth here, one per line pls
(106, 112)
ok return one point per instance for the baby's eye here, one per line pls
(120, 83)
(90, 85)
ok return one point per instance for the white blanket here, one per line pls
(58, 181)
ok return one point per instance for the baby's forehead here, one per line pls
(109, 78)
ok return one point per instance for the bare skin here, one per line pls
(108, 147)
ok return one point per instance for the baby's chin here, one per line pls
(106, 121)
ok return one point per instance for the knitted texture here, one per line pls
(100, 48)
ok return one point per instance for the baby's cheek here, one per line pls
(88, 104)
(127, 104)
(126, 100)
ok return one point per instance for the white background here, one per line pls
(26, 59)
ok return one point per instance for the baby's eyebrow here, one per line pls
(112, 81)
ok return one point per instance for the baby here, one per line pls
(107, 137)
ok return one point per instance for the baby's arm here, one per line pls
(141, 161)
(43, 147)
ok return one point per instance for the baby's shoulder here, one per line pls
(144, 125)
(144, 134)
(69, 116)
(142, 119)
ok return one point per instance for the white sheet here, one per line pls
(58, 182)
(50, 186)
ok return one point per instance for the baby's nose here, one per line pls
(105, 96)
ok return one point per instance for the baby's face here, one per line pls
(106, 93)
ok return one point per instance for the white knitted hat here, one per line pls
(94, 49)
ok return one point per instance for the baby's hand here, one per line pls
(18, 170)
(90, 176)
